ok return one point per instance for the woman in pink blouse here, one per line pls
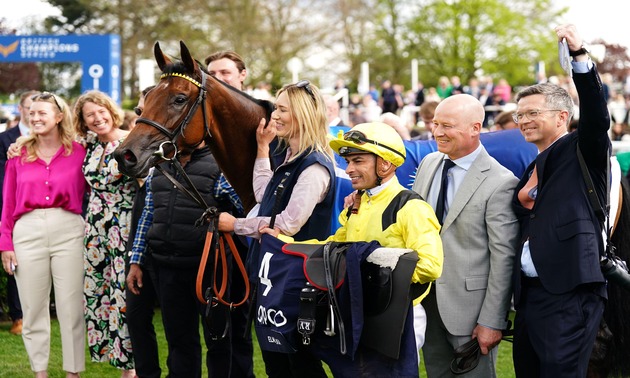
(42, 230)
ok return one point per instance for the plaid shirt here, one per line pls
(222, 190)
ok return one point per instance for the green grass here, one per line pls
(14, 360)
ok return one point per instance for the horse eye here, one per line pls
(181, 99)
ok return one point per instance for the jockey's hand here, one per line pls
(134, 279)
(13, 151)
(488, 338)
(271, 231)
(226, 222)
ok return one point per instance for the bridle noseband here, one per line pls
(172, 135)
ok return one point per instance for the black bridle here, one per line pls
(180, 129)
(191, 192)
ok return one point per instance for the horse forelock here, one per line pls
(178, 67)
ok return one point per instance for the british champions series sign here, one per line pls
(98, 54)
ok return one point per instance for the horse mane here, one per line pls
(178, 67)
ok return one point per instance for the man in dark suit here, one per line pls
(6, 138)
(559, 287)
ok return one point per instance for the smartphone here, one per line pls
(12, 267)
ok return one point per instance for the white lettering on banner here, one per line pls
(43, 47)
(263, 273)
(271, 316)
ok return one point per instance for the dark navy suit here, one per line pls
(559, 314)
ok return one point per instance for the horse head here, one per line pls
(186, 108)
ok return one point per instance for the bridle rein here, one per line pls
(214, 294)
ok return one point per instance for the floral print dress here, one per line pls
(107, 229)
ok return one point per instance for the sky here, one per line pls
(605, 19)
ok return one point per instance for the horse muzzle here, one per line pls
(131, 164)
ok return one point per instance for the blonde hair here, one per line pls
(67, 132)
(308, 110)
(98, 98)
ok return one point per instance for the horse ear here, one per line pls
(187, 59)
(161, 59)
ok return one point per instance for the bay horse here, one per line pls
(188, 107)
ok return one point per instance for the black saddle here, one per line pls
(314, 267)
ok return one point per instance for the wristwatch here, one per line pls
(583, 50)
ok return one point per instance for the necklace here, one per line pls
(46, 156)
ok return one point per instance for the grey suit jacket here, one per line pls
(480, 236)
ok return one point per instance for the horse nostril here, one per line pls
(130, 157)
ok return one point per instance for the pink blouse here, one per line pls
(37, 185)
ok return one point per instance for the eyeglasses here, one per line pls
(531, 114)
(307, 86)
(359, 138)
(47, 96)
(137, 110)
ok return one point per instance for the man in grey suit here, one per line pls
(479, 234)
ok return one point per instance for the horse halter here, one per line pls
(179, 130)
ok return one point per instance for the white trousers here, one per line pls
(49, 250)
(419, 326)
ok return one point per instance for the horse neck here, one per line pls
(233, 138)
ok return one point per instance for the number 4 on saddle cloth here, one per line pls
(368, 302)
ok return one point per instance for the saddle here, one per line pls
(385, 295)
(318, 271)
(324, 269)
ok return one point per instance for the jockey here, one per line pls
(373, 151)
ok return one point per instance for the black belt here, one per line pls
(530, 281)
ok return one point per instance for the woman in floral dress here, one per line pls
(107, 229)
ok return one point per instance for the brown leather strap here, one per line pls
(224, 272)
(202, 267)
(241, 268)
(220, 258)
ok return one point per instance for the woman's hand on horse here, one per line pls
(266, 132)
(13, 151)
(226, 222)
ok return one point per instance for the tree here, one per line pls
(17, 77)
(489, 37)
(448, 37)
(267, 33)
(616, 61)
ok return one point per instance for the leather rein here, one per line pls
(216, 294)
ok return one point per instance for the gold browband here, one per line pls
(183, 77)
